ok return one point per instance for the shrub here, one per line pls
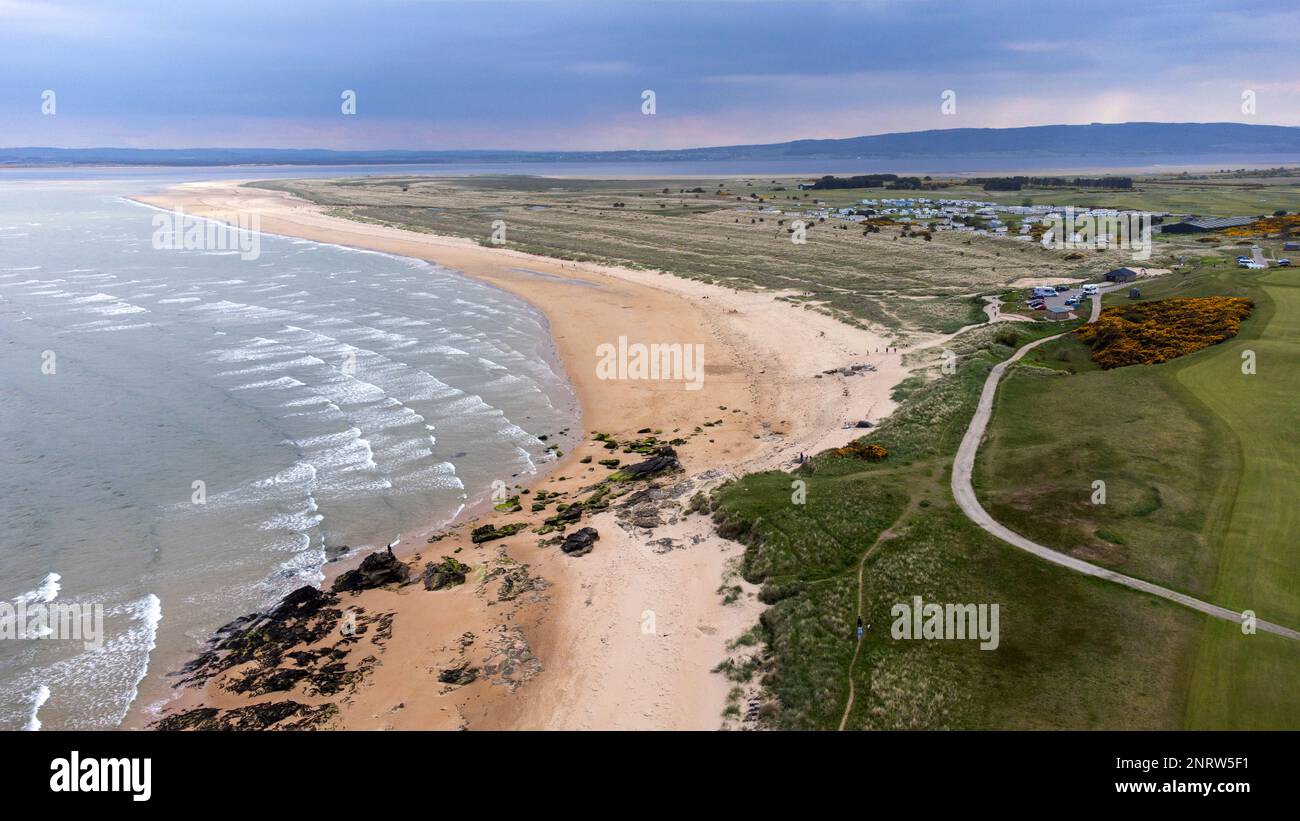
(1148, 333)
(858, 450)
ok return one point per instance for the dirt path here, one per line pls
(964, 493)
(885, 535)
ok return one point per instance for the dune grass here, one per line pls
(718, 234)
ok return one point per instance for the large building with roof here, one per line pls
(1201, 226)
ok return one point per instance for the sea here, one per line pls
(186, 436)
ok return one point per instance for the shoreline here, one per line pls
(578, 655)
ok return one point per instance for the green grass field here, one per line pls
(1202, 471)
(1258, 567)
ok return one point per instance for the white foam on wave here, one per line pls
(148, 611)
(107, 325)
(39, 698)
(280, 383)
(100, 297)
(98, 685)
(45, 592)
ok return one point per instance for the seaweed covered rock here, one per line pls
(580, 542)
(442, 575)
(376, 570)
(487, 533)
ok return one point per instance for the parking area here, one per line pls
(1069, 299)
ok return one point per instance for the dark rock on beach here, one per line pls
(580, 542)
(458, 676)
(664, 461)
(276, 715)
(281, 650)
(376, 570)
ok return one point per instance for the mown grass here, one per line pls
(1201, 469)
(1258, 568)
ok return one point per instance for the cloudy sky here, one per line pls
(570, 75)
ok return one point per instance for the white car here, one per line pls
(1089, 290)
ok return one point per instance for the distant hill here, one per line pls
(1097, 139)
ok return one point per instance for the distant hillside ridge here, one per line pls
(1096, 139)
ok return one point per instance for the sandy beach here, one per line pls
(625, 636)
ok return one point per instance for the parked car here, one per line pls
(1256, 266)
(1060, 288)
(1089, 290)
(1039, 307)
(1284, 262)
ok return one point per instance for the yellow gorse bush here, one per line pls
(1267, 226)
(1148, 333)
(857, 450)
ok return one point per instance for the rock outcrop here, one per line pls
(580, 542)
(275, 715)
(663, 462)
(442, 575)
(376, 570)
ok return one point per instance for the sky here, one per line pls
(429, 74)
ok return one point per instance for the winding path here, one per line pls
(885, 535)
(964, 493)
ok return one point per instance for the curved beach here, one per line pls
(624, 637)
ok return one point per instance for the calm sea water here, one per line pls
(177, 367)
